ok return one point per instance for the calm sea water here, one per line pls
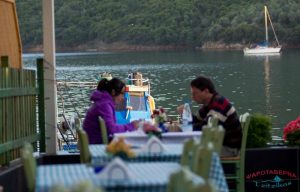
(255, 84)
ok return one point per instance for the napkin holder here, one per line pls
(115, 170)
(153, 145)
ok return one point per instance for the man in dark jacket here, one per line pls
(217, 106)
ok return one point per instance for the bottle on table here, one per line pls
(187, 118)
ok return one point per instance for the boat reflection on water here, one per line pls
(269, 108)
(267, 82)
(267, 61)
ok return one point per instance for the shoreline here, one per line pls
(36, 50)
(123, 47)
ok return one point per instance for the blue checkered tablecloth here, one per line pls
(65, 174)
(150, 176)
(145, 177)
(172, 154)
(216, 174)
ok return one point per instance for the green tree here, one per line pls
(159, 22)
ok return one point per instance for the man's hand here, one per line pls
(180, 109)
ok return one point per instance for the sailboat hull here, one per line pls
(265, 49)
(262, 50)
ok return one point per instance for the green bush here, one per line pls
(259, 133)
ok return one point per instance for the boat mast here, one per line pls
(266, 24)
(269, 17)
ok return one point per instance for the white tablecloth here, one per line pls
(140, 138)
(172, 154)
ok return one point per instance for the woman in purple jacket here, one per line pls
(105, 97)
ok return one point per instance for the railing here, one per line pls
(21, 119)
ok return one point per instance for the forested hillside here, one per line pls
(182, 23)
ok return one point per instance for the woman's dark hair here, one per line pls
(109, 85)
(202, 82)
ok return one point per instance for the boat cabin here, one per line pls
(138, 103)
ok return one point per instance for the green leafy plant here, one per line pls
(259, 133)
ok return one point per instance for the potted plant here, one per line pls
(259, 133)
(159, 117)
(291, 133)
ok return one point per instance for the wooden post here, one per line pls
(49, 76)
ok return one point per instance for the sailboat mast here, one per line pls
(269, 17)
(266, 24)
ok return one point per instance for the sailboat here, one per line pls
(264, 48)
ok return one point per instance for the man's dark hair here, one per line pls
(202, 82)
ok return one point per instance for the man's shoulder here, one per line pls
(219, 99)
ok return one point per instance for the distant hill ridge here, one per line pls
(156, 24)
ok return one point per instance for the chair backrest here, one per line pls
(202, 160)
(239, 161)
(186, 153)
(213, 121)
(207, 134)
(185, 181)
(29, 163)
(245, 122)
(178, 181)
(243, 119)
(103, 129)
(213, 134)
(218, 134)
(83, 144)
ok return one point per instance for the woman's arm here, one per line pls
(108, 114)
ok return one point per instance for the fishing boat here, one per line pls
(264, 48)
(138, 103)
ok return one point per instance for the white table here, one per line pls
(172, 154)
(140, 138)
